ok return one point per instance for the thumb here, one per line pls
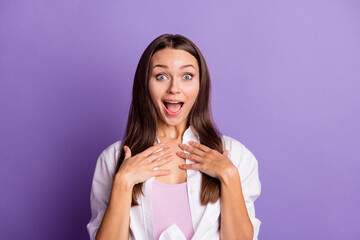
(127, 152)
(226, 153)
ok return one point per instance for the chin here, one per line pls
(172, 122)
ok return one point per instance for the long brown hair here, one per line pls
(142, 121)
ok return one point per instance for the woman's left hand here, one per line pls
(208, 161)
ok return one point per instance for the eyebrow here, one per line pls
(166, 67)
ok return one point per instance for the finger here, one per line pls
(158, 154)
(226, 153)
(192, 150)
(152, 149)
(127, 152)
(190, 156)
(161, 172)
(158, 163)
(200, 146)
(193, 166)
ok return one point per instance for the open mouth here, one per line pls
(173, 108)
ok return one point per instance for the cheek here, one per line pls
(193, 93)
(156, 93)
(153, 91)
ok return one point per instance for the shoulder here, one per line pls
(239, 154)
(108, 157)
(247, 165)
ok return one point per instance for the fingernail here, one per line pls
(169, 149)
(161, 144)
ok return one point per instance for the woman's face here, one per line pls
(173, 84)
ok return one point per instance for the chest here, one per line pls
(177, 175)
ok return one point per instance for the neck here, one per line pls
(171, 132)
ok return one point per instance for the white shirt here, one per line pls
(204, 218)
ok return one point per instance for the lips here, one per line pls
(172, 106)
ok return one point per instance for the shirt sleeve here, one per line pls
(251, 186)
(100, 190)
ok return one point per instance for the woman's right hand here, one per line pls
(139, 168)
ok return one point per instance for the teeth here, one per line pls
(172, 102)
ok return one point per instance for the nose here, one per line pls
(174, 86)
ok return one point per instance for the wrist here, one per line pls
(228, 174)
(122, 182)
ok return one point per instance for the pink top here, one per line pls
(170, 204)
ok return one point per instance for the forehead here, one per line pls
(173, 58)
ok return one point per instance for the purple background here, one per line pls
(286, 83)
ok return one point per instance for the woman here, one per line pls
(174, 176)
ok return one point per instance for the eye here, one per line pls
(188, 76)
(160, 77)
